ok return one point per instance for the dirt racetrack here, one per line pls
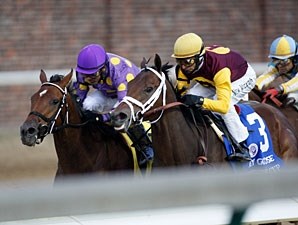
(19, 163)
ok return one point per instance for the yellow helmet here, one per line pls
(188, 45)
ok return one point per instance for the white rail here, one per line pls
(164, 190)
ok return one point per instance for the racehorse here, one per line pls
(81, 146)
(176, 141)
(280, 102)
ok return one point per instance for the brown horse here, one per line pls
(176, 141)
(81, 146)
(279, 102)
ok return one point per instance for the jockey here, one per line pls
(108, 74)
(284, 62)
(215, 78)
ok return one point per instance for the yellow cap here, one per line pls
(188, 45)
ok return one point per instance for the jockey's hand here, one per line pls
(193, 100)
(271, 93)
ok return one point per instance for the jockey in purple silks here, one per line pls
(108, 74)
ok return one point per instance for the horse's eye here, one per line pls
(55, 101)
(149, 89)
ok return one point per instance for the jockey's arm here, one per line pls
(291, 85)
(223, 86)
(266, 78)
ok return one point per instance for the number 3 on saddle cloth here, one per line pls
(259, 142)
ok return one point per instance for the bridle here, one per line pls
(50, 128)
(138, 116)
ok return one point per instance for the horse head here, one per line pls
(146, 92)
(46, 107)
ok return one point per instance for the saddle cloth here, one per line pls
(259, 141)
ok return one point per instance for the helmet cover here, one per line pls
(283, 47)
(91, 58)
(188, 45)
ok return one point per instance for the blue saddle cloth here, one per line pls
(259, 142)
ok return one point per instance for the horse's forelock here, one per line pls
(165, 68)
(56, 78)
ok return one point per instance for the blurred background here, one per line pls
(49, 34)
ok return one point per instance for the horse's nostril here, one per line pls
(122, 116)
(31, 130)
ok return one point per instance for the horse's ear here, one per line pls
(143, 63)
(67, 79)
(157, 62)
(42, 77)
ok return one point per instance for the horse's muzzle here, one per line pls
(119, 121)
(29, 133)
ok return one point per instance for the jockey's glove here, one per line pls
(193, 100)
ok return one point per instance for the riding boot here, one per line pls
(142, 143)
(241, 153)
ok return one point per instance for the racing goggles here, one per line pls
(100, 72)
(281, 62)
(189, 61)
(186, 62)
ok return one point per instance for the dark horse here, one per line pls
(82, 147)
(176, 141)
(280, 102)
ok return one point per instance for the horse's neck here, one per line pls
(68, 140)
(175, 141)
(84, 148)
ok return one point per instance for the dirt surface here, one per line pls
(20, 163)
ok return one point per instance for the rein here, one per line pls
(274, 100)
(162, 108)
